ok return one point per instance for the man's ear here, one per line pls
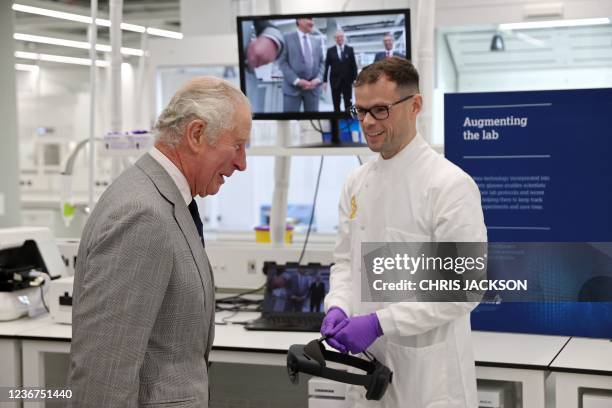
(417, 105)
(194, 135)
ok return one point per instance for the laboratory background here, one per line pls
(518, 94)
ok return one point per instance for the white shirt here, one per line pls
(174, 173)
(301, 41)
(301, 37)
(339, 49)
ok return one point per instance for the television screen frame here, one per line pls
(311, 115)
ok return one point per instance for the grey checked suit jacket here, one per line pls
(291, 63)
(143, 309)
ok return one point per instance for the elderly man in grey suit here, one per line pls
(302, 65)
(143, 312)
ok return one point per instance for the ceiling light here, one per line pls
(27, 67)
(132, 51)
(133, 27)
(74, 44)
(554, 23)
(60, 14)
(165, 33)
(99, 21)
(58, 58)
(51, 13)
(497, 43)
(50, 40)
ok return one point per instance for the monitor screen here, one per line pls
(303, 66)
(293, 288)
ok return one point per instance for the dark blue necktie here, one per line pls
(195, 214)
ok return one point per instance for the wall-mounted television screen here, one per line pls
(303, 66)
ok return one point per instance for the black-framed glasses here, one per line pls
(379, 112)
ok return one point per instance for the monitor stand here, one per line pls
(335, 138)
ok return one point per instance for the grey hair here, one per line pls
(339, 31)
(210, 99)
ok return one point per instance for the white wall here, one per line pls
(537, 80)
(471, 12)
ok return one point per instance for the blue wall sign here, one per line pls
(543, 163)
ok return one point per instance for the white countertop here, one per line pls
(489, 347)
(585, 354)
(516, 348)
(13, 328)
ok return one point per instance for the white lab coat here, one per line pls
(416, 196)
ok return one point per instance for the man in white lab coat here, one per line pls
(408, 193)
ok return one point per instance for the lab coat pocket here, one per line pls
(420, 374)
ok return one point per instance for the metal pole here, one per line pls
(93, 37)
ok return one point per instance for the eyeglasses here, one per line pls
(377, 112)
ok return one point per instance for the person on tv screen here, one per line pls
(317, 293)
(299, 286)
(341, 59)
(301, 63)
(388, 52)
(266, 46)
(263, 45)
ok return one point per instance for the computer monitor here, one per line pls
(283, 71)
(295, 288)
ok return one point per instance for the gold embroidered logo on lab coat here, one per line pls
(353, 208)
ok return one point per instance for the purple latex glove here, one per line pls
(334, 316)
(355, 334)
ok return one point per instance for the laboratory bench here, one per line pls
(527, 360)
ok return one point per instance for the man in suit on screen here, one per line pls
(301, 63)
(341, 67)
(389, 51)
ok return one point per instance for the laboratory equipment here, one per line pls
(29, 259)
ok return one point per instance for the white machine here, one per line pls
(29, 258)
(324, 393)
(59, 299)
(496, 394)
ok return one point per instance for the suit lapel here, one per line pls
(170, 192)
(297, 45)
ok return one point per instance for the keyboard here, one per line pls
(288, 322)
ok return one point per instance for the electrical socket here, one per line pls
(251, 266)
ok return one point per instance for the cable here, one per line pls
(44, 285)
(239, 295)
(346, 127)
(314, 204)
(223, 321)
(42, 297)
(319, 129)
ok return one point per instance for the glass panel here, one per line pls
(244, 201)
